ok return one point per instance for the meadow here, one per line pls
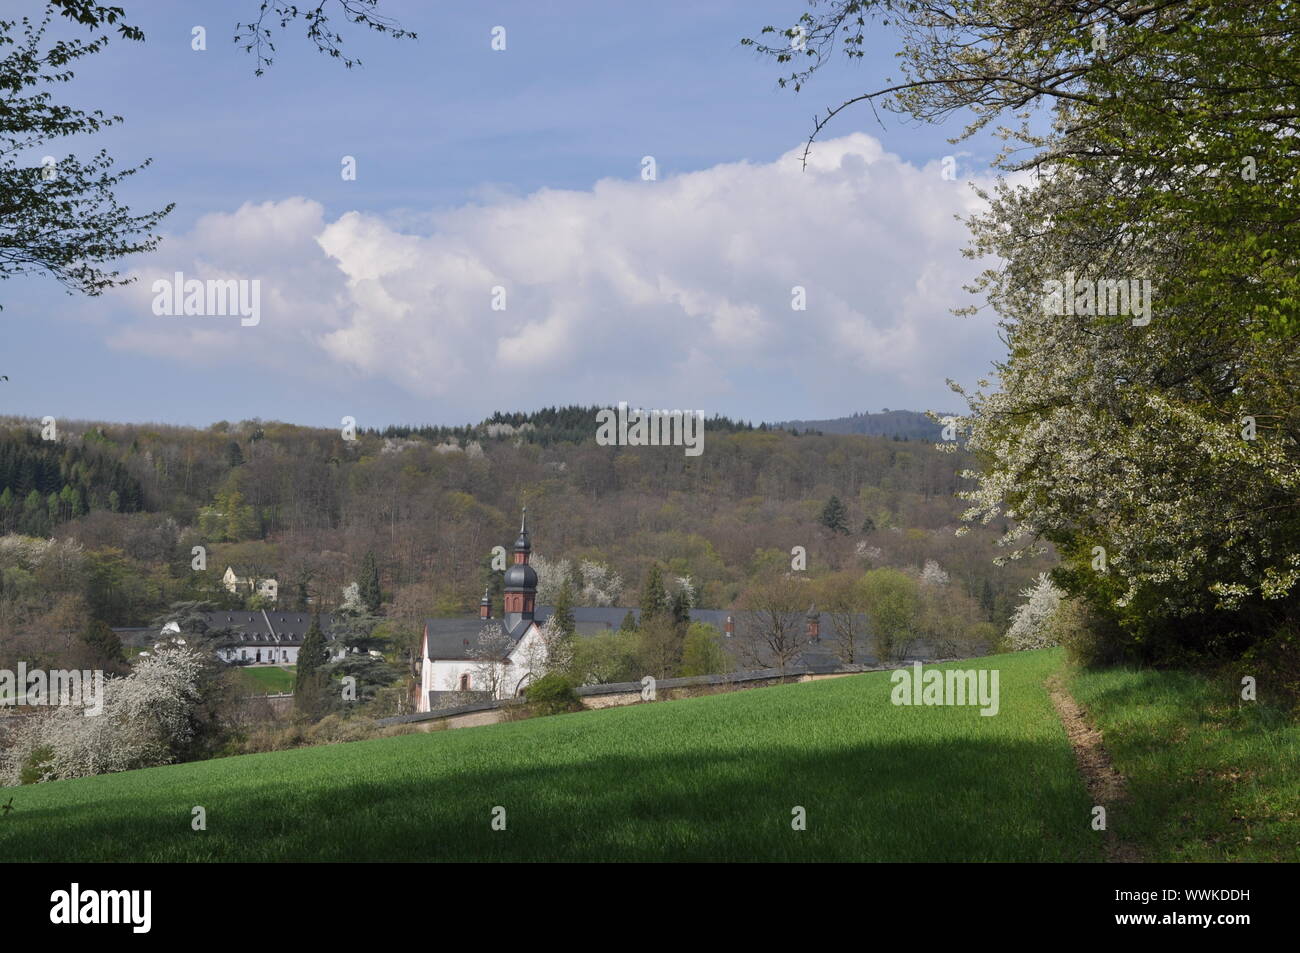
(719, 778)
(267, 680)
(711, 778)
(1210, 777)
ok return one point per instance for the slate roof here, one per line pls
(456, 639)
(251, 628)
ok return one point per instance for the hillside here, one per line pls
(712, 778)
(304, 505)
(897, 424)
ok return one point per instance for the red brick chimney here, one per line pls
(729, 627)
(485, 605)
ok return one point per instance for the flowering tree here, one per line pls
(594, 583)
(1159, 458)
(552, 574)
(1031, 623)
(933, 575)
(148, 717)
(1155, 447)
(601, 585)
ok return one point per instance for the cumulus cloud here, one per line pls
(671, 293)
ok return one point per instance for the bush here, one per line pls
(1275, 664)
(552, 694)
(1087, 638)
(34, 766)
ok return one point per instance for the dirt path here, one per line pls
(1105, 785)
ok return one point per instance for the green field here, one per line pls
(271, 679)
(707, 778)
(1210, 777)
(716, 778)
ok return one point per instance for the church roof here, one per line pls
(457, 639)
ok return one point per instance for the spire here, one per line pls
(522, 544)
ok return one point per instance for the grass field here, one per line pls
(716, 778)
(268, 679)
(711, 778)
(1210, 777)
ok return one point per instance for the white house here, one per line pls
(263, 637)
(235, 583)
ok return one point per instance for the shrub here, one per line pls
(552, 694)
(1275, 664)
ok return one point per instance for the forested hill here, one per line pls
(44, 482)
(306, 504)
(573, 424)
(903, 424)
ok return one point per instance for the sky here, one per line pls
(501, 246)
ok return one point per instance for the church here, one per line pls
(452, 660)
(455, 667)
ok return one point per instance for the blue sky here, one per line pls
(518, 169)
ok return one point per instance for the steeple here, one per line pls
(521, 580)
(522, 544)
(485, 604)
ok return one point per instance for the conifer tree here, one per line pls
(371, 596)
(562, 617)
(312, 658)
(654, 599)
(835, 516)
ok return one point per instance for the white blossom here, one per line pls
(1032, 620)
(146, 715)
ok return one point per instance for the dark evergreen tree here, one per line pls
(835, 516)
(104, 644)
(988, 602)
(654, 599)
(681, 609)
(563, 612)
(371, 596)
(629, 622)
(312, 659)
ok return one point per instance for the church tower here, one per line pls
(521, 583)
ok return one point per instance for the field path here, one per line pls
(1104, 783)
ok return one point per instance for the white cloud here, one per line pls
(673, 293)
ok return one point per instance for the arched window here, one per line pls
(464, 682)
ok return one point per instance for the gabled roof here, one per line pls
(251, 629)
(454, 638)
